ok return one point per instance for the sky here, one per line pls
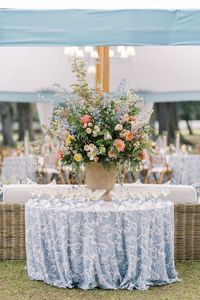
(100, 4)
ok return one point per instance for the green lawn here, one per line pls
(14, 284)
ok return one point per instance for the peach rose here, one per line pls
(129, 136)
(142, 156)
(119, 144)
(85, 119)
(132, 118)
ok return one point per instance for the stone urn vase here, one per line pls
(100, 178)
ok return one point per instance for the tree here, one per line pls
(6, 114)
(25, 118)
(167, 117)
(189, 111)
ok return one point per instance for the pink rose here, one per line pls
(111, 153)
(119, 145)
(85, 119)
(59, 154)
(128, 136)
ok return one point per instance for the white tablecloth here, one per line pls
(186, 168)
(76, 242)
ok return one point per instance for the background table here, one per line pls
(18, 169)
(79, 243)
(186, 168)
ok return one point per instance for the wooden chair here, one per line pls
(158, 168)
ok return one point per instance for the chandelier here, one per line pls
(90, 52)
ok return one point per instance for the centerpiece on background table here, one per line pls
(100, 131)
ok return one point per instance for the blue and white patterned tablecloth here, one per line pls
(124, 244)
(186, 168)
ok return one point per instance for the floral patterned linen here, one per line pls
(125, 244)
(186, 168)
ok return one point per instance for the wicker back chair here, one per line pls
(187, 232)
(12, 231)
(186, 237)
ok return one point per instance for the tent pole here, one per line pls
(103, 68)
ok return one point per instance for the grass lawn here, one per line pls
(14, 284)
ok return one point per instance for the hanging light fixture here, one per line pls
(121, 49)
(131, 51)
(94, 54)
(111, 53)
(80, 53)
(89, 52)
(89, 49)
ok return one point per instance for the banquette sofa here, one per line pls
(186, 209)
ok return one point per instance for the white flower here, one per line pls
(119, 127)
(75, 152)
(107, 136)
(85, 125)
(137, 145)
(92, 158)
(94, 133)
(89, 124)
(96, 128)
(88, 130)
(92, 147)
(87, 148)
(102, 149)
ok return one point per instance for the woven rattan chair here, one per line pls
(12, 231)
(187, 232)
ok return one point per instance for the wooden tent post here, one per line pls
(103, 68)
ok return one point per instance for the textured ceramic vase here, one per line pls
(100, 178)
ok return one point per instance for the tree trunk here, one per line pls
(189, 127)
(6, 112)
(25, 117)
(167, 118)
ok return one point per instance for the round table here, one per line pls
(186, 168)
(87, 244)
(17, 169)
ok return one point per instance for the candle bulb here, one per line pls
(165, 141)
(26, 142)
(177, 141)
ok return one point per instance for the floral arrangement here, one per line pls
(95, 127)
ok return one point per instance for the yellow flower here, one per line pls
(69, 139)
(78, 157)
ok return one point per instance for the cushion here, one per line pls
(197, 188)
(180, 194)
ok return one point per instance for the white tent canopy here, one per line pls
(158, 73)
